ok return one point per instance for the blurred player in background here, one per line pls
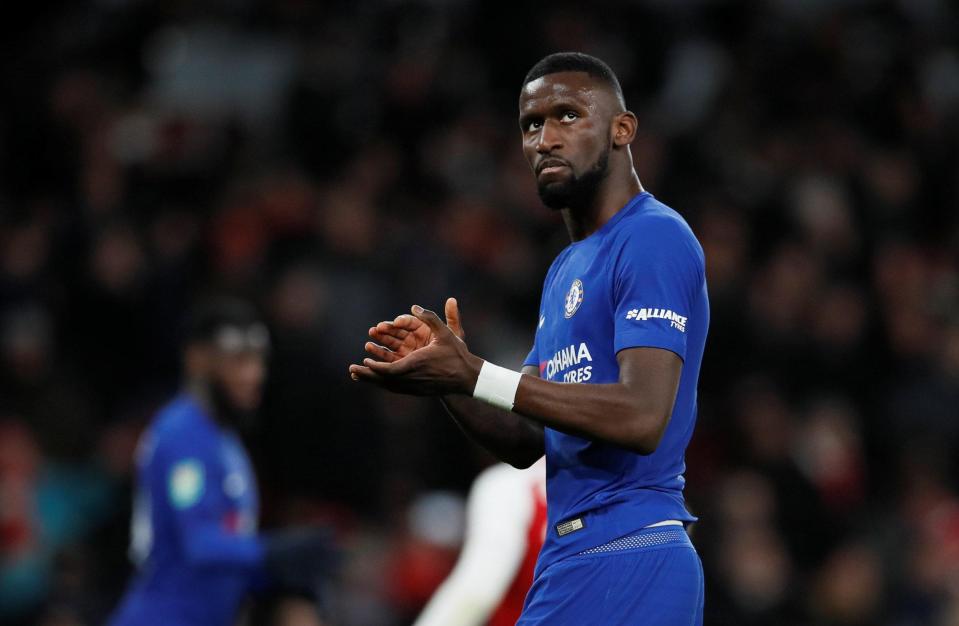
(505, 526)
(624, 312)
(194, 532)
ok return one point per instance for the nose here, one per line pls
(549, 138)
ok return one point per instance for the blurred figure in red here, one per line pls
(506, 524)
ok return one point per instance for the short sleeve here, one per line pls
(190, 473)
(185, 464)
(533, 357)
(658, 272)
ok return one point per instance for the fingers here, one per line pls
(380, 352)
(387, 369)
(452, 311)
(374, 370)
(389, 335)
(390, 328)
(364, 374)
(389, 341)
(429, 318)
(359, 372)
(406, 322)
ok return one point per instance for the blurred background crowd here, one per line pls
(336, 162)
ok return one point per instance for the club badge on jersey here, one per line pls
(574, 298)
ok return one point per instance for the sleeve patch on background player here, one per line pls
(186, 483)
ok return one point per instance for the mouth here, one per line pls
(550, 166)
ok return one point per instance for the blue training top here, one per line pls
(194, 523)
(639, 281)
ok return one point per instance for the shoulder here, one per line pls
(558, 261)
(656, 229)
(180, 427)
(653, 221)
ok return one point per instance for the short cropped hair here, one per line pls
(575, 62)
(211, 314)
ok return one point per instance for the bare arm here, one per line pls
(508, 436)
(632, 413)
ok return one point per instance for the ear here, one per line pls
(624, 128)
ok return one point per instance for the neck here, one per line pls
(612, 195)
(212, 402)
(201, 393)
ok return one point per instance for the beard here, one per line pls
(577, 191)
(227, 411)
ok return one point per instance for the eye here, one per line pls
(534, 125)
(570, 116)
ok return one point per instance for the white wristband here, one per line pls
(497, 386)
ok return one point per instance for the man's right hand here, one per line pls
(406, 333)
(300, 560)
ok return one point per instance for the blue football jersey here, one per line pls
(639, 281)
(194, 522)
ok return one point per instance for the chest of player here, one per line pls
(575, 333)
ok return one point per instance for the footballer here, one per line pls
(608, 391)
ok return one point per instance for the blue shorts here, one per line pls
(651, 578)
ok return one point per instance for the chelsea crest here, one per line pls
(574, 298)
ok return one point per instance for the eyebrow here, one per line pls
(558, 105)
(526, 118)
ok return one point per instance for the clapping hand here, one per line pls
(418, 354)
(407, 333)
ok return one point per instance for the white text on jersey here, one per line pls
(568, 357)
(676, 321)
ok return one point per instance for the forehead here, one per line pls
(230, 361)
(578, 87)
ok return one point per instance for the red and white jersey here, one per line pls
(506, 525)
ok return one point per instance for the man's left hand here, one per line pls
(444, 366)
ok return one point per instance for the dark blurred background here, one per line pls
(336, 162)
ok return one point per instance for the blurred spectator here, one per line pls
(45, 508)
